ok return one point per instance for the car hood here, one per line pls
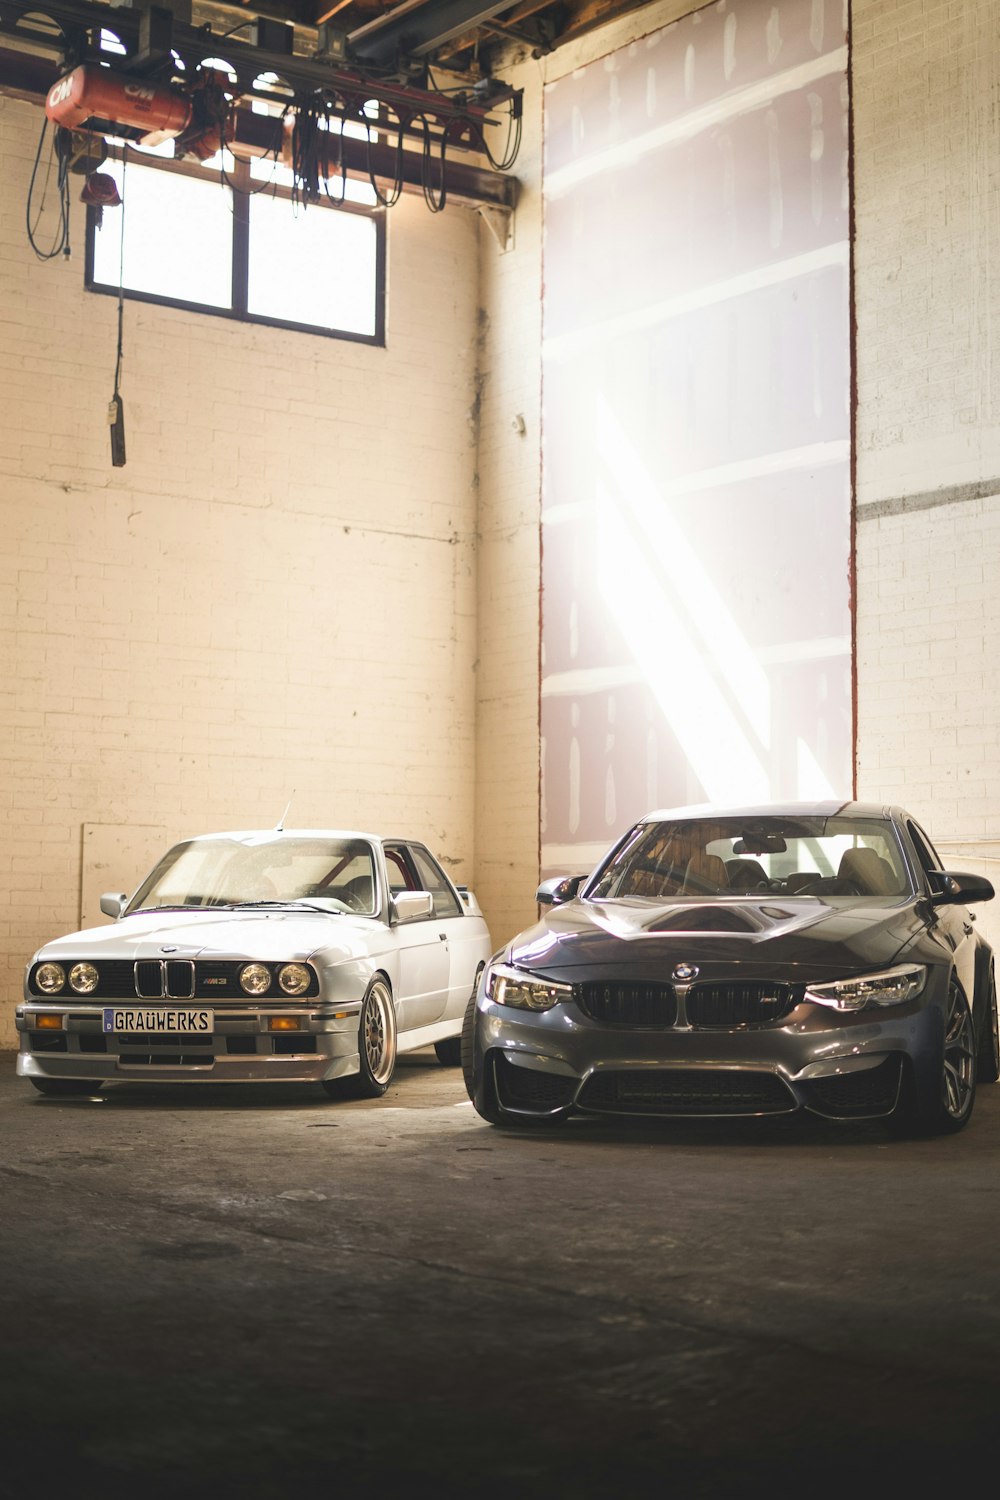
(276, 935)
(765, 937)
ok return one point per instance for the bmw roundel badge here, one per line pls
(684, 973)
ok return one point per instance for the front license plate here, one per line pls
(135, 1022)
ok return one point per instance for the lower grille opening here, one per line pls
(686, 1091)
(48, 1041)
(89, 1042)
(527, 1089)
(166, 1059)
(292, 1042)
(151, 1051)
(868, 1094)
(241, 1046)
(143, 1043)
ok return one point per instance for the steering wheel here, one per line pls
(356, 894)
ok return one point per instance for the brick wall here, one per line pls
(276, 593)
(926, 90)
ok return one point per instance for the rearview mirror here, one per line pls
(113, 903)
(955, 888)
(410, 906)
(559, 888)
(760, 843)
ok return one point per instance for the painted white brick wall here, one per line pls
(277, 592)
(926, 91)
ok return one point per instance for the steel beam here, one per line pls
(415, 29)
(28, 77)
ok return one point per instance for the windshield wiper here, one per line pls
(291, 901)
(136, 911)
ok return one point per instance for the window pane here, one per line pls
(432, 879)
(312, 265)
(178, 237)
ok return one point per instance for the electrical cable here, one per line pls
(435, 204)
(341, 165)
(60, 243)
(273, 154)
(386, 199)
(513, 143)
(121, 277)
(116, 412)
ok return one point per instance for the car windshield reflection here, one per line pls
(819, 857)
(321, 874)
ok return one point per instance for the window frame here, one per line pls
(242, 188)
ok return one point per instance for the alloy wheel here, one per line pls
(959, 1073)
(378, 1028)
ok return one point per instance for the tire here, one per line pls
(449, 1052)
(66, 1088)
(946, 1107)
(376, 1048)
(988, 1068)
(467, 1045)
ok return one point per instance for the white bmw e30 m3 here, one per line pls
(305, 955)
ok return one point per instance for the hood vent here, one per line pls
(705, 919)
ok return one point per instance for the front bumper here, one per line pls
(242, 1048)
(838, 1065)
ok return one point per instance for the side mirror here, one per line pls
(410, 906)
(954, 888)
(558, 889)
(113, 903)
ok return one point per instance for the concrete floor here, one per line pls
(257, 1292)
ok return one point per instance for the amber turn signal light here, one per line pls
(283, 1023)
(49, 1023)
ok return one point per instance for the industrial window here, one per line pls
(228, 238)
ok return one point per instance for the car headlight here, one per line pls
(83, 978)
(50, 978)
(891, 987)
(294, 978)
(506, 986)
(255, 979)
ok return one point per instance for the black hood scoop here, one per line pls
(705, 919)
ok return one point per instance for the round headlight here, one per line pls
(294, 979)
(50, 978)
(255, 979)
(83, 978)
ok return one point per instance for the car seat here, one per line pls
(866, 870)
(705, 876)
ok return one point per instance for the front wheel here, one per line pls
(66, 1088)
(988, 1069)
(946, 1107)
(376, 1048)
(457, 1051)
(377, 1040)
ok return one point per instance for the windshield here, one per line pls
(818, 856)
(265, 868)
